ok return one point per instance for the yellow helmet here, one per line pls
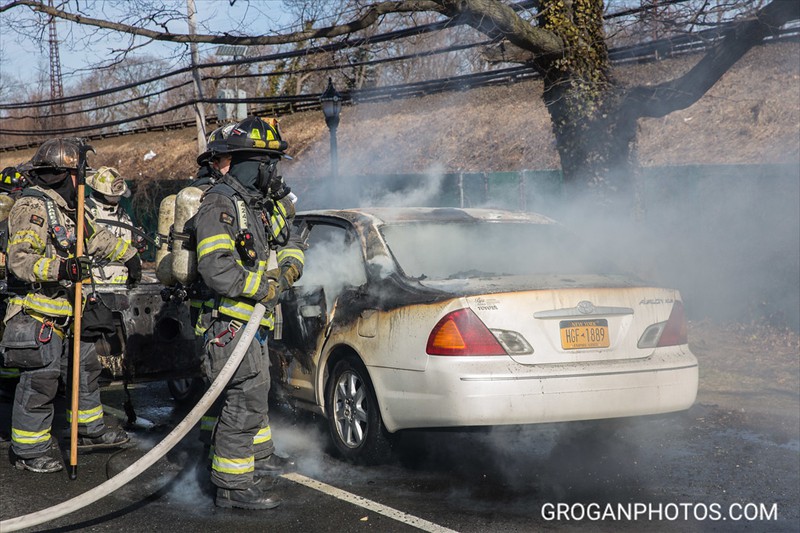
(108, 181)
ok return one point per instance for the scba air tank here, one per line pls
(184, 255)
(6, 203)
(166, 217)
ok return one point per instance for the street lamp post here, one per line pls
(331, 102)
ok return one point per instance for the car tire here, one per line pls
(354, 419)
(186, 391)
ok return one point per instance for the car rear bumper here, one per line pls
(490, 391)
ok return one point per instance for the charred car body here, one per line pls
(427, 318)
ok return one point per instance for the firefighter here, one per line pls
(41, 253)
(236, 223)
(11, 184)
(107, 189)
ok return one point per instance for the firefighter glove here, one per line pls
(75, 268)
(270, 300)
(290, 272)
(134, 266)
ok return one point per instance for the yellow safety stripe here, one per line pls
(233, 309)
(30, 237)
(42, 266)
(119, 250)
(117, 280)
(276, 224)
(263, 435)
(8, 373)
(211, 244)
(207, 423)
(296, 253)
(84, 417)
(242, 311)
(44, 305)
(29, 437)
(251, 284)
(233, 466)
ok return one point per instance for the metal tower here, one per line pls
(56, 85)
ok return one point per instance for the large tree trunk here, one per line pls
(593, 133)
(594, 139)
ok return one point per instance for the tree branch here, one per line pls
(661, 100)
(370, 17)
(501, 21)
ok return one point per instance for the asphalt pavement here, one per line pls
(709, 469)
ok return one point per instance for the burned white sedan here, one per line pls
(441, 317)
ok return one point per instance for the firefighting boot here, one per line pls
(111, 438)
(41, 465)
(274, 465)
(251, 498)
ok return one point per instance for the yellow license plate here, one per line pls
(580, 334)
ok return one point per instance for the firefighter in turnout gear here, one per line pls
(242, 221)
(11, 184)
(108, 188)
(41, 253)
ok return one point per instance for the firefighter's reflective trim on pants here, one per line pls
(211, 244)
(207, 423)
(233, 466)
(43, 305)
(30, 237)
(9, 373)
(30, 437)
(84, 417)
(264, 434)
(295, 253)
(42, 266)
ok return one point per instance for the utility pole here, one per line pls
(56, 83)
(200, 114)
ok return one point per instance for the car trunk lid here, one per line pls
(568, 319)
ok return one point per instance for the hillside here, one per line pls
(751, 116)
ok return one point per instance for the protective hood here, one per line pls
(60, 182)
(246, 171)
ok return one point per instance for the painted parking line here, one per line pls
(375, 507)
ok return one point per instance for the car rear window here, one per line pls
(471, 250)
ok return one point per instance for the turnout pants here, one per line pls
(42, 358)
(241, 434)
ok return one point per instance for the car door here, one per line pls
(333, 263)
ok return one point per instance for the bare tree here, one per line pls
(594, 116)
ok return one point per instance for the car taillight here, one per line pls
(675, 329)
(669, 333)
(462, 333)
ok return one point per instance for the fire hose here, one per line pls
(157, 452)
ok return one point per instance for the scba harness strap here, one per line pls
(244, 241)
(62, 240)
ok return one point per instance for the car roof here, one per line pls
(395, 215)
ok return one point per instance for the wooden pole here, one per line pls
(77, 312)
